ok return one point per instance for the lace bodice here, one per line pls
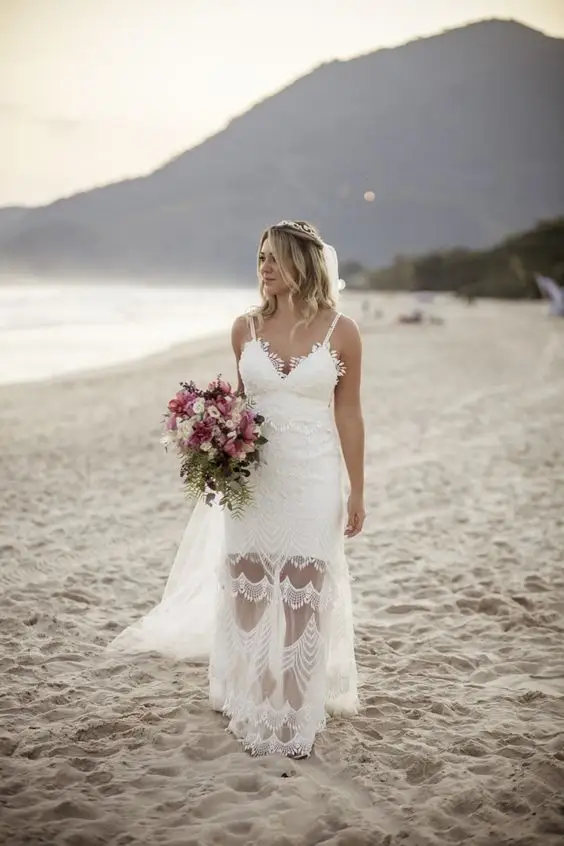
(304, 384)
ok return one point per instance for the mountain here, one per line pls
(10, 219)
(459, 136)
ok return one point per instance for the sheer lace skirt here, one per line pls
(283, 651)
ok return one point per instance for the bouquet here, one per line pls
(219, 437)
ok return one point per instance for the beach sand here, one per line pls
(458, 583)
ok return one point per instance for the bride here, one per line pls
(266, 596)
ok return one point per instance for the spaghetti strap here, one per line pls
(251, 321)
(330, 332)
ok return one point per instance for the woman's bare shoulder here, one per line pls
(241, 328)
(346, 329)
(240, 323)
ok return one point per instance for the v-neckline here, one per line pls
(285, 367)
(277, 362)
(280, 364)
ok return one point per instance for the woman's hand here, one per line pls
(356, 515)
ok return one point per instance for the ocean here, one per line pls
(51, 329)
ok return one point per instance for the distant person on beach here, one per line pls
(267, 594)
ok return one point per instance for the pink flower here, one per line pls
(171, 422)
(247, 427)
(223, 405)
(201, 434)
(232, 448)
(182, 403)
(220, 383)
(175, 406)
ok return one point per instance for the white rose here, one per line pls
(185, 428)
(199, 406)
(213, 412)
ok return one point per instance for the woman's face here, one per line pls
(272, 279)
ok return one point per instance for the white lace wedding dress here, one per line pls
(267, 595)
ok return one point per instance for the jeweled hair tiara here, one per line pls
(299, 227)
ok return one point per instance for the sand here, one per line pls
(458, 583)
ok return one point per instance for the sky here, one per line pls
(93, 91)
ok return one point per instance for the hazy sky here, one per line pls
(95, 90)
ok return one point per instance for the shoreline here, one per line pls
(53, 333)
(196, 348)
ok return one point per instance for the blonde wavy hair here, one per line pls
(297, 248)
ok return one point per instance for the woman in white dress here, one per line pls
(267, 595)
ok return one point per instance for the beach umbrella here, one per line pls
(553, 292)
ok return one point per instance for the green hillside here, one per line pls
(505, 270)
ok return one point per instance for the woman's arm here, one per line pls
(348, 417)
(239, 332)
